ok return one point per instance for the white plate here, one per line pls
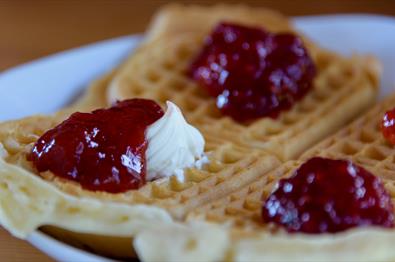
(48, 84)
(61, 251)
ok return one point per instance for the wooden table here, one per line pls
(29, 30)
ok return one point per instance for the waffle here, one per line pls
(360, 142)
(229, 168)
(239, 153)
(25, 195)
(68, 212)
(157, 71)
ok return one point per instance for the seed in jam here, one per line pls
(103, 150)
(327, 195)
(251, 72)
(388, 126)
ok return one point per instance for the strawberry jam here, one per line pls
(103, 150)
(251, 72)
(326, 195)
(388, 126)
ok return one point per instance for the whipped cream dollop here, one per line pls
(173, 145)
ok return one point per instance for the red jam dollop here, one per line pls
(251, 72)
(388, 126)
(103, 150)
(327, 195)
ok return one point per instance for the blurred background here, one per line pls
(31, 29)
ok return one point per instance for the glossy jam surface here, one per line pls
(388, 126)
(103, 150)
(251, 72)
(329, 196)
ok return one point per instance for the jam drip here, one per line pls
(327, 195)
(251, 72)
(103, 150)
(388, 126)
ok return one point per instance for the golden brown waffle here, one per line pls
(236, 151)
(157, 71)
(242, 209)
(230, 167)
(176, 19)
(361, 142)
